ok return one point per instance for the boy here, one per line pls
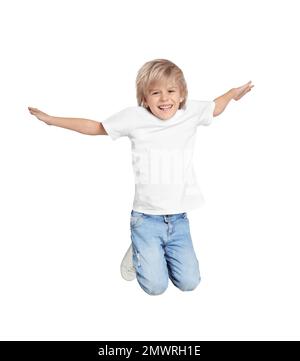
(162, 130)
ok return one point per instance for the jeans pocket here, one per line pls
(136, 220)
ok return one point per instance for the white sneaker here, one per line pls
(127, 267)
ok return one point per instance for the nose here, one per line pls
(164, 96)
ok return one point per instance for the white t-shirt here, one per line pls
(162, 155)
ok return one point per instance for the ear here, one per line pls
(145, 102)
(181, 96)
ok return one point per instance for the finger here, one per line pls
(249, 82)
(245, 86)
(243, 93)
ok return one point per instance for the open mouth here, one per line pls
(165, 108)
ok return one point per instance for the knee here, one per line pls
(155, 288)
(188, 284)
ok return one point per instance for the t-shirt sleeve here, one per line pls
(118, 124)
(205, 111)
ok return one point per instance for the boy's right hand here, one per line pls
(40, 115)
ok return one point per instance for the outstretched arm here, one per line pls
(234, 93)
(84, 126)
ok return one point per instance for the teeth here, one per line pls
(165, 107)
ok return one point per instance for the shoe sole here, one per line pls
(128, 273)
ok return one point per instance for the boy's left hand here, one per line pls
(239, 92)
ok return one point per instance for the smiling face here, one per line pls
(163, 98)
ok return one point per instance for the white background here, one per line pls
(66, 197)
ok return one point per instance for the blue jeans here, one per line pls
(162, 249)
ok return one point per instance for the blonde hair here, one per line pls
(156, 70)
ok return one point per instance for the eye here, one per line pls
(171, 91)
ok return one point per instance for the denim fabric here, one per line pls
(162, 249)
